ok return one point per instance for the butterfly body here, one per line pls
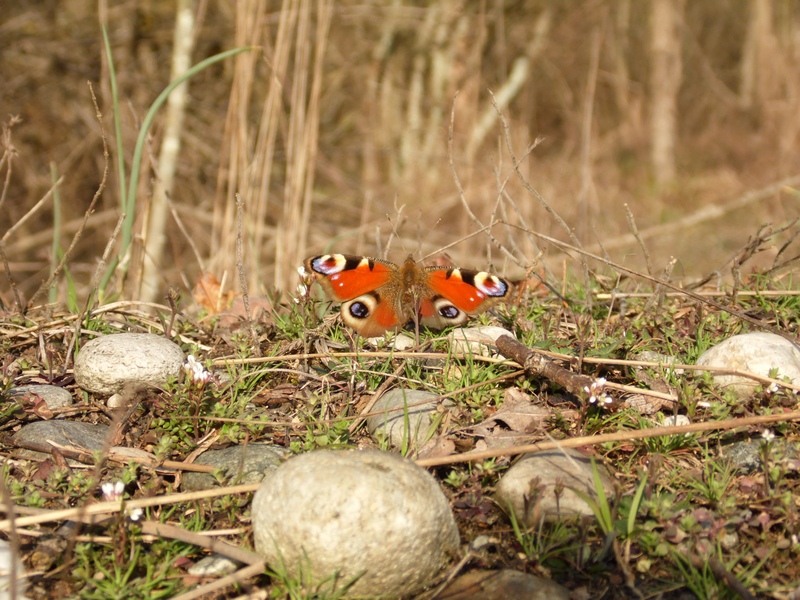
(378, 296)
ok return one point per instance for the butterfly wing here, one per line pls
(457, 294)
(360, 284)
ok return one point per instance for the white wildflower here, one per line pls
(136, 514)
(768, 435)
(112, 492)
(196, 371)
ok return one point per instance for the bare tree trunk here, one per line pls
(665, 82)
(150, 286)
(759, 51)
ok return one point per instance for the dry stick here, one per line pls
(32, 211)
(538, 364)
(68, 254)
(460, 188)
(116, 455)
(240, 575)
(100, 508)
(621, 436)
(256, 564)
(242, 274)
(531, 190)
(719, 570)
(11, 283)
(638, 236)
(98, 272)
(667, 284)
(8, 154)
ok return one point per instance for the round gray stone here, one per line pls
(418, 406)
(544, 484)
(108, 363)
(53, 396)
(367, 515)
(242, 464)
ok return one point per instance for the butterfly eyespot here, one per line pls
(490, 285)
(359, 310)
(449, 311)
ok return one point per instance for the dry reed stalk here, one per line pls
(156, 235)
(235, 164)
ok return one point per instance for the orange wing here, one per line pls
(344, 277)
(469, 291)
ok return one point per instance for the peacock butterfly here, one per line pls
(378, 296)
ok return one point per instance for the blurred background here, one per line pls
(334, 131)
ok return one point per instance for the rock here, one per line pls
(108, 363)
(369, 516)
(759, 353)
(532, 482)
(53, 396)
(213, 565)
(398, 341)
(259, 459)
(674, 421)
(499, 585)
(8, 563)
(84, 436)
(747, 455)
(421, 413)
(479, 340)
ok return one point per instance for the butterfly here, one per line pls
(378, 296)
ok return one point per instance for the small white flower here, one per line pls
(767, 435)
(301, 270)
(195, 369)
(595, 391)
(136, 514)
(703, 404)
(773, 388)
(112, 492)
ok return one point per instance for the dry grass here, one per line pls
(341, 114)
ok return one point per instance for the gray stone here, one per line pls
(53, 396)
(84, 436)
(530, 486)
(368, 516)
(258, 460)
(746, 455)
(213, 565)
(421, 411)
(758, 353)
(108, 363)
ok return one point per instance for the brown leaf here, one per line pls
(208, 294)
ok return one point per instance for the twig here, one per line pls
(242, 274)
(538, 364)
(620, 436)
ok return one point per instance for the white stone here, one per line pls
(758, 353)
(356, 513)
(674, 421)
(108, 363)
(479, 340)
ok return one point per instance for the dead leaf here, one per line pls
(208, 294)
